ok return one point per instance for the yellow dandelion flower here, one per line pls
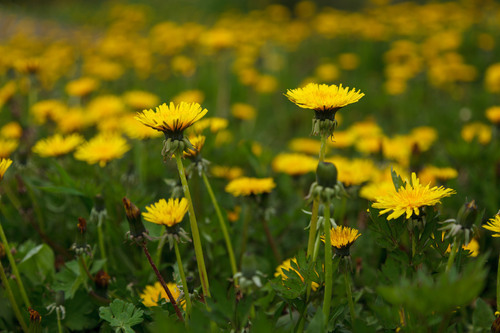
(47, 109)
(233, 215)
(494, 225)
(243, 111)
(410, 198)
(305, 145)
(197, 142)
(342, 238)
(189, 96)
(477, 130)
(492, 78)
(151, 295)
(7, 91)
(294, 164)
(246, 186)
(4, 165)
(214, 124)
(167, 213)
(372, 191)
(430, 174)
(327, 72)
(140, 100)
(227, 172)
(7, 146)
(472, 248)
(136, 130)
(102, 148)
(322, 97)
(493, 114)
(172, 119)
(287, 266)
(57, 145)
(82, 86)
(348, 61)
(72, 120)
(11, 130)
(104, 106)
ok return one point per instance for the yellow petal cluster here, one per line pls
(494, 225)
(165, 212)
(153, 293)
(287, 266)
(4, 165)
(57, 145)
(322, 97)
(343, 237)
(246, 186)
(410, 198)
(172, 118)
(294, 164)
(102, 149)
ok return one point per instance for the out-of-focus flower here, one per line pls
(189, 96)
(11, 130)
(477, 130)
(102, 149)
(151, 295)
(227, 172)
(430, 174)
(7, 146)
(493, 114)
(492, 78)
(348, 61)
(57, 145)
(305, 145)
(243, 111)
(294, 164)
(82, 87)
(247, 186)
(140, 100)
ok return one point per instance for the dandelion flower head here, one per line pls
(322, 97)
(102, 148)
(409, 198)
(294, 164)
(4, 165)
(151, 295)
(494, 225)
(343, 237)
(168, 213)
(247, 186)
(57, 145)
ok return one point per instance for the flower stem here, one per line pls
(244, 234)
(270, 240)
(194, 229)
(348, 290)
(12, 300)
(312, 228)
(322, 149)
(161, 243)
(328, 265)
(13, 265)
(59, 326)
(84, 267)
(183, 279)
(453, 254)
(102, 248)
(162, 282)
(498, 285)
(223, 226)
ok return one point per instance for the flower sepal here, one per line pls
(175, 146)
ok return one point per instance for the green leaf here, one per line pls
(121, 315)
(61, 190)
(69, 279)
(483, 315)
(38, 264)
(396, 179)
(317, 323)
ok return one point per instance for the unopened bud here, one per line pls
(326, 174)
(102, 280)
(137, 229)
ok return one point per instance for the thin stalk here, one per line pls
(84, 267)
(223, 227)
(348, 290)
(453, 253)
(328, 265)
(183, 279)
(244, 234)
(12, 300)
(162, 282)
(194, 229)
(270, 240)
(498, 285)
(102, 248)
(13, 266)
(59, 326)
(322, 149)
(161, 243)
(312, 228)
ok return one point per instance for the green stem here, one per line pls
(183, 279)
(194, 229)
(102, 249)
(322, 149)
(312, 227)
(453, 253)
(328, 265)
(161, 243)
(12, 300)
(244, 234)
(348, 290)
(59, 326)
(270, 240)
(498, 285)
(84, 268)
(223, 227)
(13, 265)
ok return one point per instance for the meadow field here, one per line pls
(220, 166)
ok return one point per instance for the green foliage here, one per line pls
(121, 316)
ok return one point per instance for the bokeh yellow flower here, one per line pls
(140, 100)
(152, 294)
(478, 130)
(246, 186)
(227, 172)
(493, 114)
(294, 164)
(102, 148)
(286, 265)
(82, 86)
(11, 130)
(243, 111)
(4, 165)
(57, 145)
(168, 213)
(7, 146)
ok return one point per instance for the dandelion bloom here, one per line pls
(322, 97)
(342, 238)
(494, 225)
(172, 119)
(228, 172)
(11, 130)
(287, 266)
(243, 111)
(7, 146)
(4, 165)
(410, 198)
(493, 114)
(294, 164)
(246, 186)
(82, 86)
(151, 295)
(167, 213)
(102, 149)
(477, 130)
(57, 145)
(140, 100)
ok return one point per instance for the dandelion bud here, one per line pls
(468, 214)
(80, 246)
(495, 327)
(99, 204)
(35, 321)
(326, 174)
(137, 229)
(60, 298)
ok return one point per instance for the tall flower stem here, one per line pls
(13, 265)
(194, 229)
(162, 282)
(453, 254)
(348, 290)
(161, 243)
(498, 285)
(270, 240)
(102, 248)
(328, 265)
(59, 326)
(322, 149)
(12, 300)
(183, 279)
(244, 234)
(223, 226)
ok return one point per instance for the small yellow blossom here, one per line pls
(342, 238)
(494, 225)
(243, 111)
(305, 145)
(102, 148)
(294, 164)
(57, 145)
(472, 248)
(168, 213)
(430, 174)
(7, 146)
(287, 266)
(140, 100)
(348, 61)
(82, 87)
(227, 172)
(4, 165)
(246, 186)
(136, 130)
(189, 96)
(322, 97)
(493, 114)
(11, 130)
(214, 124)
(151, 295)
(477, 130)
